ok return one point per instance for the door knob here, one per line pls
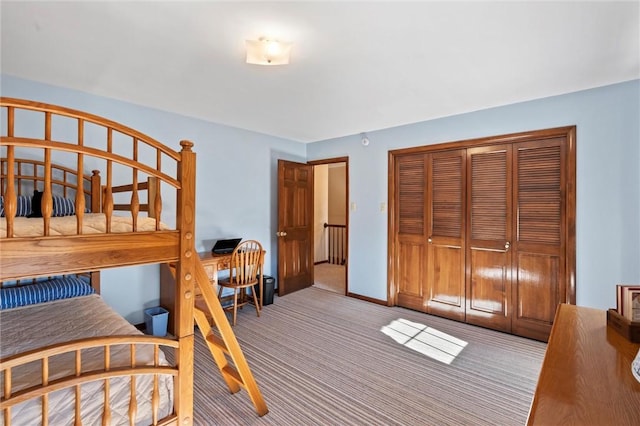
(429, 240)
(507, 245)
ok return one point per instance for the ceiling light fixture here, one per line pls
(364, 139)
(268, 52)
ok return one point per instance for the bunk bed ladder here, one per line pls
(225, 347)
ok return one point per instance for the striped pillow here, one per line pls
(57, 288)
(63, 206)
(24, 206)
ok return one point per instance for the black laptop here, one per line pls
(225, 246)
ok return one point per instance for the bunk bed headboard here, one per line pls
(29, 175)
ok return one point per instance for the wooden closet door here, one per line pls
(411, 231)
(446, 256)
(489, 237)
(538, 283)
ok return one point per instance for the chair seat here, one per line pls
(227, 300)
(228, 284)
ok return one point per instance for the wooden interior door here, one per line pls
(446, 189)
(489, 232)
(539, 248)
(411, 232)
(295, 226)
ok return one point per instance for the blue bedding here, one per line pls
(57, 288)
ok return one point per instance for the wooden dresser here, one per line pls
(586, 375)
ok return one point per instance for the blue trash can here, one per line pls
(156, 320)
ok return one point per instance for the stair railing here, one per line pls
(336, 249)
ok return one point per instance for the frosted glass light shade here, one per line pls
(268, 52)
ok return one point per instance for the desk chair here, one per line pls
(244, 269)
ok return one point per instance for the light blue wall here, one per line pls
(608, 187)
(235, 185)
(608, 182)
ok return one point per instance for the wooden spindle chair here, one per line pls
(244, 272)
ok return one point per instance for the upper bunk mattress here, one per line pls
(92, 223)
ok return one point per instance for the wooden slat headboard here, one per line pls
(29, 175)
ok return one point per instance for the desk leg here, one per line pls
(214, 278)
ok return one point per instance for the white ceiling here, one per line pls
(355, 66)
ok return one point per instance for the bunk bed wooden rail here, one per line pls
(79, 134)
(77, 377)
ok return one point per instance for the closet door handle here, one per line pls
(507, 245)
(429, 240)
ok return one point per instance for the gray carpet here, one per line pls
(320, 358)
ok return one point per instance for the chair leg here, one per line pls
(255, 300)
(242, 295)
(235, 304)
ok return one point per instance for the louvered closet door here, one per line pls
(446, 267)
(538, 252)
(411, 225)
(489, 237)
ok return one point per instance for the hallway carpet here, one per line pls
(330, 277)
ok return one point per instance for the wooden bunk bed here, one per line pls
(112, 223)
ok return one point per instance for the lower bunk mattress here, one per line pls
(35, 326)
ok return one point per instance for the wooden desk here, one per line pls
(586, 374)
(213, 264)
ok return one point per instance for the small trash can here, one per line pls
(156, 320)
(268, 283)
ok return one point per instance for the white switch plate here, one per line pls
(383, 206)
(353, 207)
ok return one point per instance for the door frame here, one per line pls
(346, 216)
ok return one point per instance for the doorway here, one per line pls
(330, 227)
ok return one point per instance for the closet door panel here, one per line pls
(489, 231)
(539, 286)
(489, 285)
(411, 273)
(536, 293)
(446, 282)
(411, 225)
(446, 200)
